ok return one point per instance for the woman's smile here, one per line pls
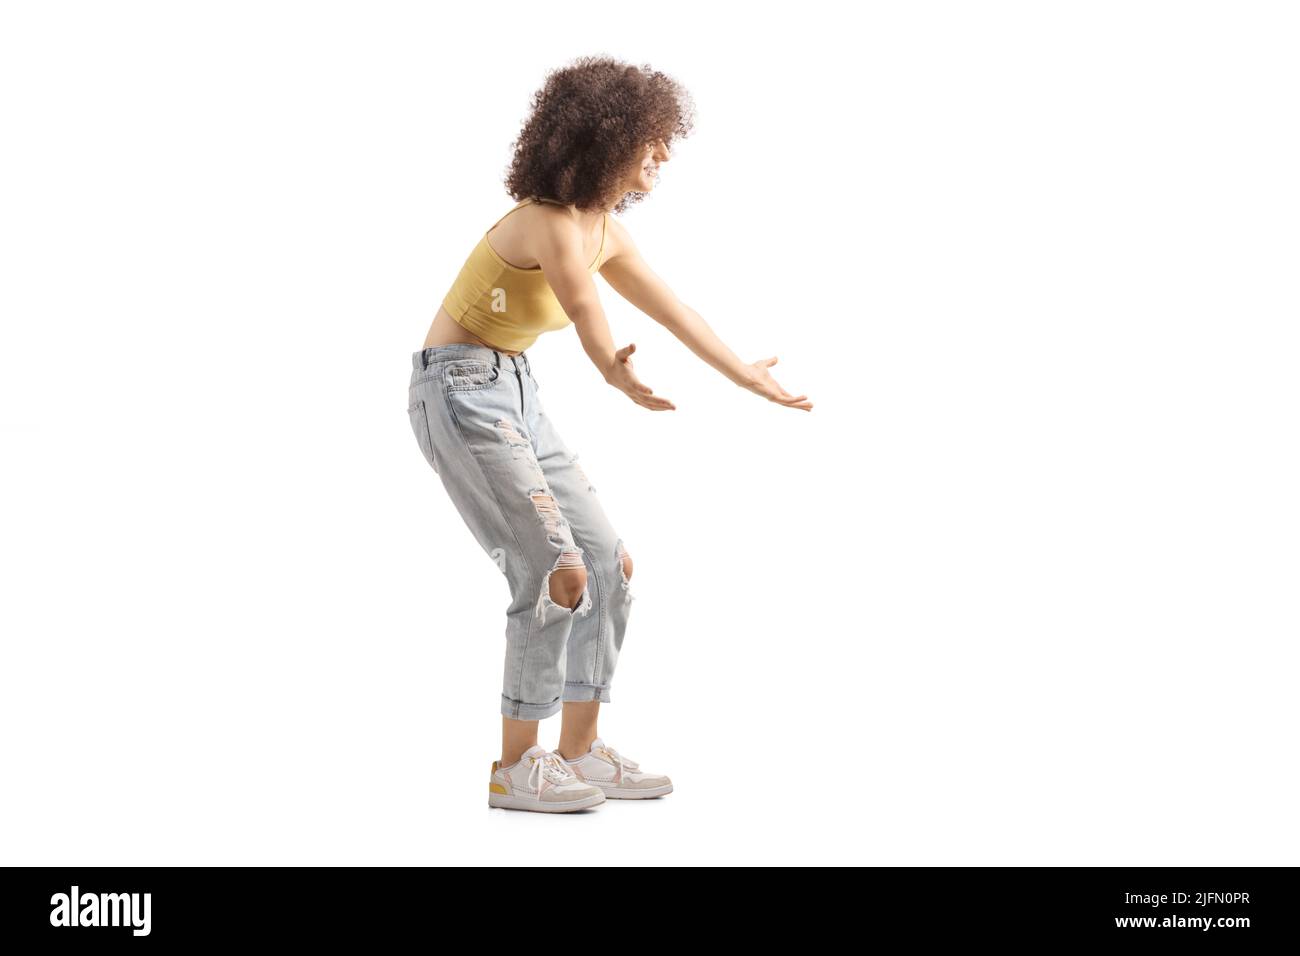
(650, 165)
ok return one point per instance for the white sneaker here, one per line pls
(619, 777)
(539, 780)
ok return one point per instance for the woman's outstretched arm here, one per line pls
(629, 275)
(560, 256)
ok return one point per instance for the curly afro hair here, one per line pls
(588, 123)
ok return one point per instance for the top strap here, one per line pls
(518, 205)
(524, 202)
(604, 221)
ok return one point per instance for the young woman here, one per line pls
(592, 145)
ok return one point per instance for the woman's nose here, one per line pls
(661, 151)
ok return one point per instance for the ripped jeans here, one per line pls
(481, 427)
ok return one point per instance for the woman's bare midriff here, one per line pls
(447, 331)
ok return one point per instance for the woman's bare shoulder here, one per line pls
(618, 240)
(516, 236)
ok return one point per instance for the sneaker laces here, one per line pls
(620, 762)
(548, 767)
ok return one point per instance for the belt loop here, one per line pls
(527, 367)
(424, 358)
(497, 357)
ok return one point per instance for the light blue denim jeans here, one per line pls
(481, 427)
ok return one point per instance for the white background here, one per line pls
(1021, 589)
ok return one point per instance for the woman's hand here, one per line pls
(762, 383)
(624, 379)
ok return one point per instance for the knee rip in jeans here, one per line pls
(573, 572)
(624, 569)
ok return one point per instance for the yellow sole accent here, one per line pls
(496, 788)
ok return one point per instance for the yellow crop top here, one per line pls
(504, 304)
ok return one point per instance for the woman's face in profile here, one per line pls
(646, 168)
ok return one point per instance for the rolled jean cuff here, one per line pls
(521, 710)
(577, 690)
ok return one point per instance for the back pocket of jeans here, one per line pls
(470, 374)
(420, 425)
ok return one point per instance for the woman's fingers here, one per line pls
(634, 388)
(653, 402)
(639, 385)
(771, 389)
(784, 395)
